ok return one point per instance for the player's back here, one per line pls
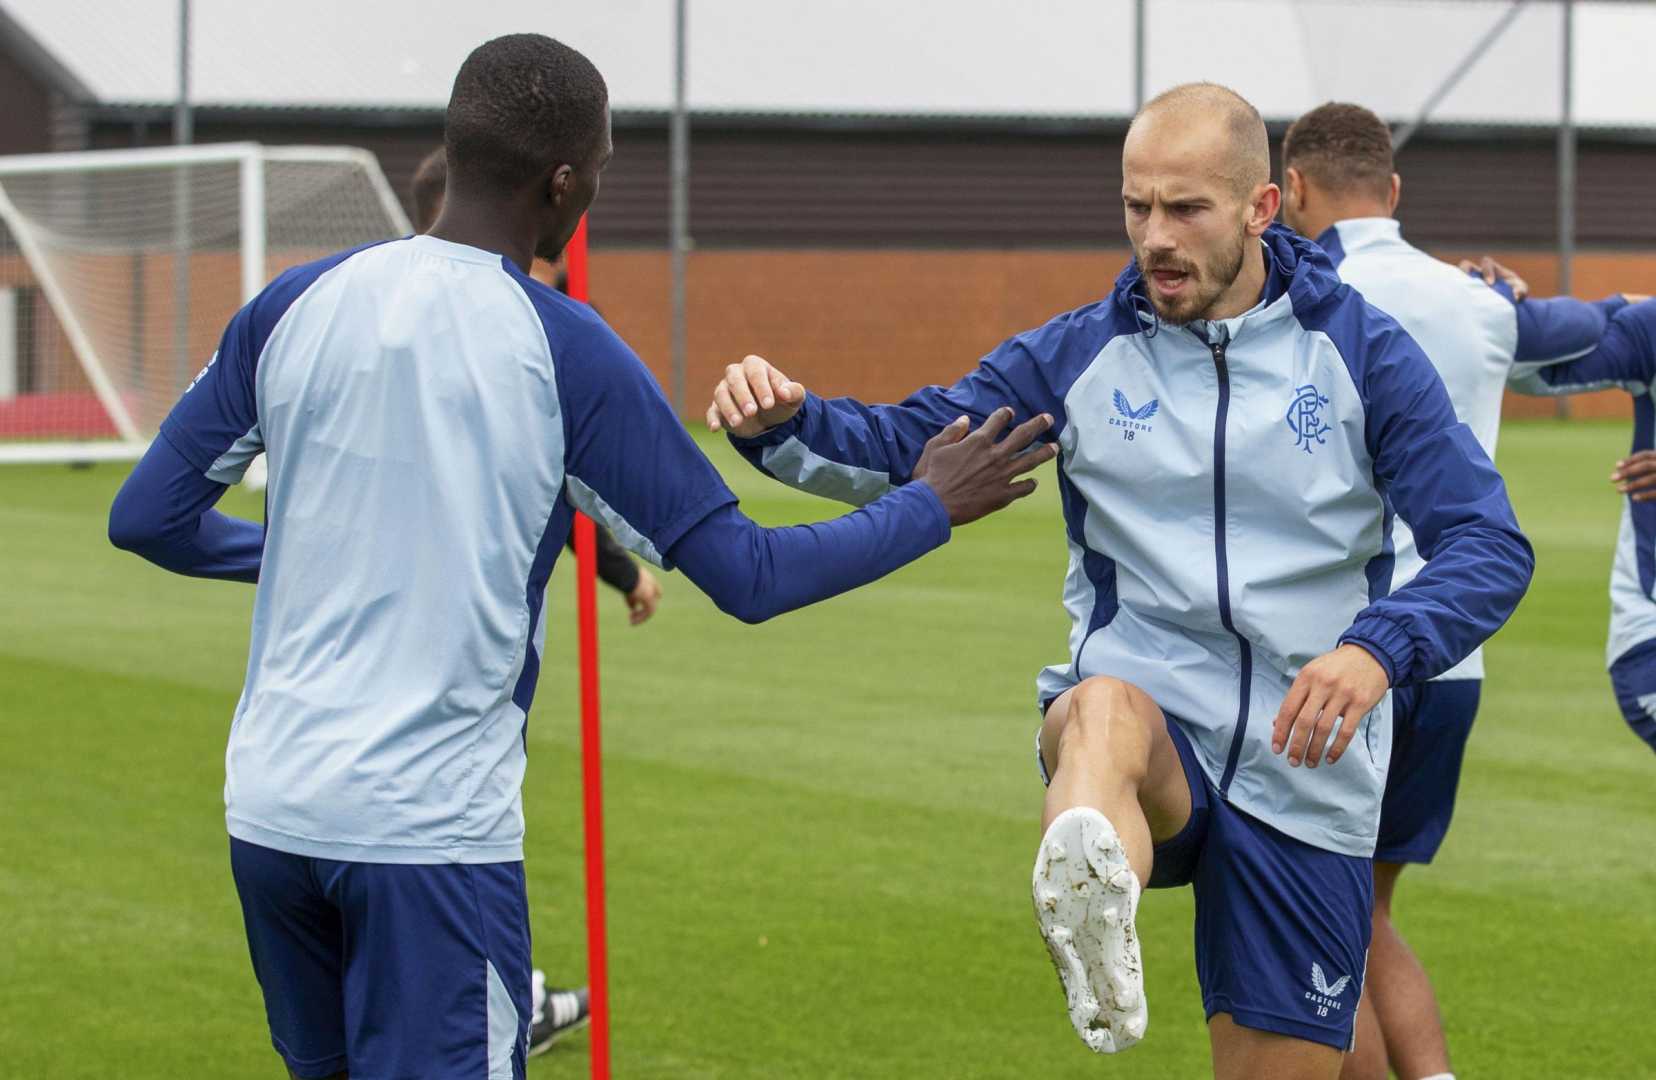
(1468, 331)
(408, 406)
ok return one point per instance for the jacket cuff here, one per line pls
(943, 529)
(1387, 642)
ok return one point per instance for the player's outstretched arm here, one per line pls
(755, 573)
(843, 449)
(631, 466)
(1619, 352)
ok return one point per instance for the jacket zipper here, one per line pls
(1221, 561)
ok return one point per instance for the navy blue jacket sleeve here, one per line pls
(755, 573)
(629, 464)
(845, 450)
(164, 510)
(1621, 356)
(1429, 465)
(164, 513)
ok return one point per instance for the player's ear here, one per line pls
(560, 185)
(1293, 183)
(1267, 200)
(1396, 193)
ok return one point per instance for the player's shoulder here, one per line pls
(253, 325)
(1077, 335)
(588, 356)
(1409, 279)
(563, 317)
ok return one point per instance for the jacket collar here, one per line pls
(1355, 234)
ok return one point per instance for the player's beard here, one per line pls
(1207, 281)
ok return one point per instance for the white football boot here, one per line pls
(1085, 899)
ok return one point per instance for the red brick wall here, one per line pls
(878, 323)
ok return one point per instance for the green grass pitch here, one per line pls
(820, 831)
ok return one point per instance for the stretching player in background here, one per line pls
(430, 413)
(1569, 346)
(1340, 188)
(1234, 429)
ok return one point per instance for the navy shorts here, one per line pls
(1430, 725)
(1282, 928)
(389, 970)
(1634, 677)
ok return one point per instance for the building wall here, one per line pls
(871, 261)
(878, 324)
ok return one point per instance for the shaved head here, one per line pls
(1197, 192)
(1241, 152)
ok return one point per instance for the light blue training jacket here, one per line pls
(1228, 491)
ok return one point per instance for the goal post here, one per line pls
(120, 268)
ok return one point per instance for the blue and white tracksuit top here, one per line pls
(1228, 491)
(1568, 346)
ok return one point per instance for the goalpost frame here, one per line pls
(250, 159)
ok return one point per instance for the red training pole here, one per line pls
(592, 766)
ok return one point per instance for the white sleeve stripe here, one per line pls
(796, 464)
(232, 464)
(588, 502)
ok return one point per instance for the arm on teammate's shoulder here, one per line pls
(164, 513)
(1622, 355)
(1442, 483)
(843, 449)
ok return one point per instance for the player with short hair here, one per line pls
(554, 1011)
(432, 417)
(1237, 430)
(1340, 188)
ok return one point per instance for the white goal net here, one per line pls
(119, 270)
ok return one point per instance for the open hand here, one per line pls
(1339, 686)
(973, 474)
(752, 398)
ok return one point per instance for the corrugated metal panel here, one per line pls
(775, 188)
(826, 189)
(1480, 193)
(24, 126)
(1616, 196)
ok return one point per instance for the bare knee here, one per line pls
(1110, 718)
